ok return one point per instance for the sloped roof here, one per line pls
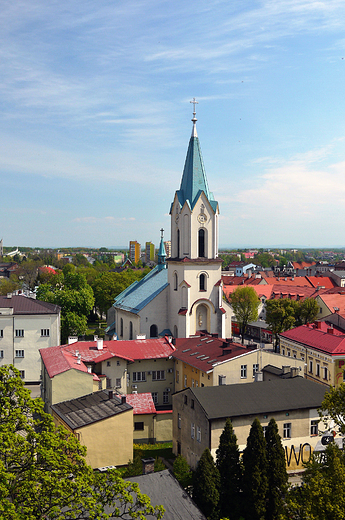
(60, 359)
(163, 489)
(309, 336)
(259, 397)
(142, 403)
(24, 305)
(334, 301)
(261, 290)
(140, 293)
(321, 281)
(89, 409)
(289, 280)
(203, 351)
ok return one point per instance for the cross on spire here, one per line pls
(195, 102)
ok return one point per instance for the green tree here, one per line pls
(206, 482)
(43, 473)
(255, 468)
(8, 285)
(280, 316)
(322, 494)
(245, 303)
(332, 409)
(277, 474)
(230, 470)
(307, 311)
(182, 471)
(72, 293)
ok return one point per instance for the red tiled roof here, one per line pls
(203, 351)
(302, 265)
(23, 305)
(333, 344)
(288, 280)
(58, 361)
(321, 281)
(142, 403)
(334, 300)
(261, 290)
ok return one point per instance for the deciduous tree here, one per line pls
(230, 470)
(280, 316)
(245, 303)
(43, 473)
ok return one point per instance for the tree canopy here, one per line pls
(206, 482)
(245, 303)
(277, 474)
(43, 473)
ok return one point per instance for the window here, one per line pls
(158, 375)
(243, 371)
(294, 353)
(192, 383)
(177, 376)
(19, 333)
(121, 327)
(317, 370)
(155, 397)
(314, 427)
(108, 364)
(325, 373)
(185, 381)
(118, 382)
(221, 380)
(179, 421)
(1, 354)
(108, 382)
(138, 426)
(100, 384)
(22, 374)
(192, 430)
(202, 282)
(201, 243)
(175, 281)
(310, 366)
(118, 363)
(255, 368)
(198, 434)
(288, 353)
(185, 399)
(19, 353)
(287, 430)
(165, 397)
(139, 376)
(130, 330)
(153, 331)
(45, 333)
(1, 333)
(192, 404)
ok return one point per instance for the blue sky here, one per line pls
(95, 119)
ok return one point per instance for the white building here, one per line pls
(183, 294)
(27, 325)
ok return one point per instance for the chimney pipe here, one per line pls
(123, 399)
(110, 394)
(99, 343)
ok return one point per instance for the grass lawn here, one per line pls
(155, 450)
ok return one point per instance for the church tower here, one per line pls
(194, 269)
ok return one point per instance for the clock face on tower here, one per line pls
(202, 218)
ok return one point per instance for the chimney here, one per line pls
(330, 330)
(110, 394)
(89, 369)
(294, 371)
(79, 359)
(72, 339)
(99, 343)
(285, 369)
(318, 325)
(9, 296)
(123, 399)
(148, 465)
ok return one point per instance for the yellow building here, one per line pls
(134, 251)
(103, 423)
(199, 416)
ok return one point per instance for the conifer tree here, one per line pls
(277, 474)
(206, 485)
(229, 467)
(255, 480)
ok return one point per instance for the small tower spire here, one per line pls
(194, 119)
(161, 253)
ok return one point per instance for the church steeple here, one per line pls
(161, 254)
(194, 179)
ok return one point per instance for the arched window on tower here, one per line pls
(201, 252)
(130, 330)
(153, 331)
(202, 282)
(175, 281)
(178, 243)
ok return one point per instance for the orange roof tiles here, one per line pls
(333, 344)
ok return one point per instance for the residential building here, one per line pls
(149, 252)
(204, 360)
(103, 422)
(134, 251)
(167, 245)
(138, 366)
(26, 326)
(199, 416)
(187, 296)
(150, 425)
(321, 347)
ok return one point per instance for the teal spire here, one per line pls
(194, 179)
(161, 254)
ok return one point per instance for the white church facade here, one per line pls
(182, 294)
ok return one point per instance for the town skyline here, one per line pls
(96, 112)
